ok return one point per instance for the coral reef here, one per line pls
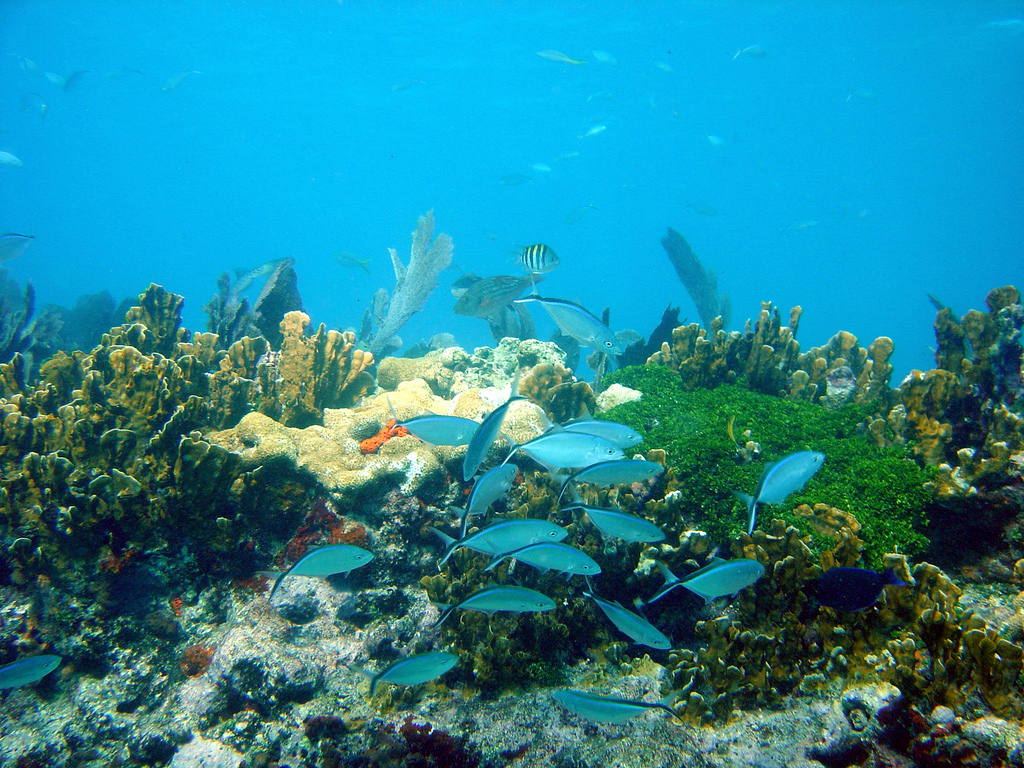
(553, 388)
(413, 285)
(882, 487)
(311, 373)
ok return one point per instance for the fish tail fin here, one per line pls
(273, 590)
(751, 503)
(565, 485)
(446, 611)
(365, 264)
(496, 562)
(670, 578)
(890, 579)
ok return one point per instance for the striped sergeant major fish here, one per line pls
(538, 259)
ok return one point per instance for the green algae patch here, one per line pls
(883, 488)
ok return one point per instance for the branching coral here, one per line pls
(413, 285)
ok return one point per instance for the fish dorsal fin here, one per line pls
(715, 562)
(392, 409)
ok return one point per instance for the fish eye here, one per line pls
(608, 344)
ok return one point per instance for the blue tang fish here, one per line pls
(854, 589)
(27, 671)
(779, 479)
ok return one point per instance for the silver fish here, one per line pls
(620, 525)
(326, 561)
(177, 80)
(6, 158)
(605, 709)
(413, 670)
(487, 433)
(559, 57)
(349, 260)
(779, 479)
(753, 51)
(492, 485)
(538, 258)
(27, 671)
(561, 450)
(576, 321)
(615, 472)
(717, 579)
(494, 599)
(436, 429)
(13, 245)
(632, 624)
(613, 432)
(551, 556)
(506, 536)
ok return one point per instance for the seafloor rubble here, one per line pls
(148, 482)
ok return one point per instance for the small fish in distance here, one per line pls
(854, 589)
(13, 245)
(560, 58)
(349, 260)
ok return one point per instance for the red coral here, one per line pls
(196, 659)
(116, 563)
(389, 430)
(322, 525)
(438, 747)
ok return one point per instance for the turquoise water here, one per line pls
(862, 156)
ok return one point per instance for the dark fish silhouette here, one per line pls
(854, 589)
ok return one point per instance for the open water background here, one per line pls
(312, 128)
